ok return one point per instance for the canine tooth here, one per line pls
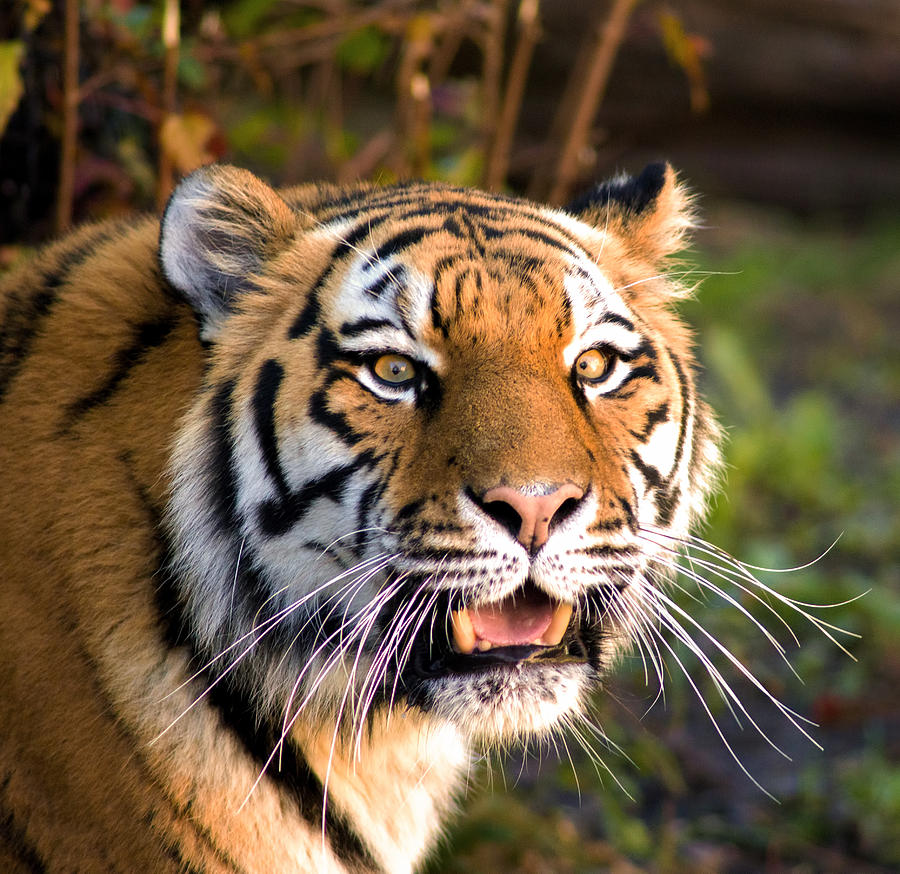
(463, 633)
(558, 625)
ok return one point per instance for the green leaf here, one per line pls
(243, 19)
(11, 88)
(363, 50)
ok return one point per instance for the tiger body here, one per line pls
(286, 487)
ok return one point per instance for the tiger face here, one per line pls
(444, 440)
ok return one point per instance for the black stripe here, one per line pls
(564, 318)
(352, 329)
(367, 501)
(278, 516)
(25, 313)
(319, 412)
(651, 474)
(606, 551)
(630, 519)
(645, 371)
(308, 317)
(654, 417)
(290, 771)
(616, 319)
(267, 384)
(614, 523)
(437, 321)
(328, 351)
(493, 232)
(455, 200)
(668, 500)
(402, 240)
(686, 398)
(512, 215)
(15, 839)
(221, 475)
(442, 555)
(663, 487)
(493, 207)
(409, 510)
(147, 336)
(292, 774)
(644, 349)
(389, 279)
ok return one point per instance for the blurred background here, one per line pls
(785, 117)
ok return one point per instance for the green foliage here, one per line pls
(363, 51)
(246, 17)
(11, 88)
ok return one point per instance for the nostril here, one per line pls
(566, 509)
(529, 517)
(502, 512)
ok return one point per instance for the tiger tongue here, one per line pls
(516, 620)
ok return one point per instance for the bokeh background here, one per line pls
(784, 117)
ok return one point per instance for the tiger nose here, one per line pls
(531, 515)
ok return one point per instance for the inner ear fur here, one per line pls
(219, 228)
(651, 213)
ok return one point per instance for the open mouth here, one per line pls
(527, 617)
(526, 626)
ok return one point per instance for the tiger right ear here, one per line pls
(651, 213)
(219, 227)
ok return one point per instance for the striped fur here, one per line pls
(231, 550)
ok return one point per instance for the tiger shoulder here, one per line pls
(308, 498)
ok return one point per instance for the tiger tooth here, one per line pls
(558, 625)
(484, 645)
(463, 633)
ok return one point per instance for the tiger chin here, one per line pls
(309, 497)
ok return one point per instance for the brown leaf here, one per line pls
(687, 51)
(187, 140)
(35, 12)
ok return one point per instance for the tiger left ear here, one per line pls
(219, 227)
(651, 213)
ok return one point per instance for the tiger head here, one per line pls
(445, 443)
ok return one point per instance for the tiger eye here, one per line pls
(394, 369)
(593, 365)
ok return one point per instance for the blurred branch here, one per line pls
(363, 163)
(492, 67)
(68, 146)
(411, 147)
(392, 17)
(171, 43)
(606, 45)
(529, 29)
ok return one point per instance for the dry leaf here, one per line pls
(186, 140)
(687, 51)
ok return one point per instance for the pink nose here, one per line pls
(535, 512)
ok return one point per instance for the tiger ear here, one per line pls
(218, 229)
(651, 213)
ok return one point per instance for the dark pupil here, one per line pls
(398, 367)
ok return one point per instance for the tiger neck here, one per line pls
(396, 788)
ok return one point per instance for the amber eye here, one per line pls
(594, 365)
(394, 370)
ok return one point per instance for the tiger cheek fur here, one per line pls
(358, 481)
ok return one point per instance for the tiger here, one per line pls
(310, 497)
